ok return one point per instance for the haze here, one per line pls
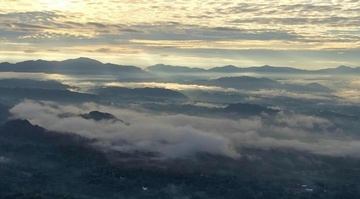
(180, 99)
(302, 34)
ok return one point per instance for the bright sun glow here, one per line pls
(56, 4)
(304, 34)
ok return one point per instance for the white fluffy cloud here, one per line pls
(167, 135)
(174, 136)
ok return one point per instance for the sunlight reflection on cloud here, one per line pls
(177, 135)
(173, 86)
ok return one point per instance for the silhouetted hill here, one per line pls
(4, 113)
(71, 66)
(246, 108)
(46, 94)
(231, 110)
(255, 69)
(254, 83)
(226, 69)
(97, 116)
(241, 82)
(337, 116)
(261, 69)
(273, 69)
(21, 126)
(312, 87)
(173, 69)
(340, 70)
(37, 163)
(23, 130)
(28, 83)
(84, 65)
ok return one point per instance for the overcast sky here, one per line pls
(299, 33)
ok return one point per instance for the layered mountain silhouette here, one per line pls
(28, 83)
(225, 69)
(45, 94)
(254, 83)
(46, 164)
(261, 69)
(161, 68)
(173, 69)
(71, 66)
(21, 128)
(246, 108)
(141, 93)
(97, 116)
(339, 70)
(85, 65)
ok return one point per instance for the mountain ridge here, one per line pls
(254, 69)
(255, 83)
(70, 66)
(88, 65)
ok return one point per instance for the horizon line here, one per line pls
(191, 67)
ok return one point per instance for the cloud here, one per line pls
(4, 160)
(179, 136)
(283, 94)
(349, 95)
(160, 134)
(348, 91)
(43, 76)
(165, 27)
(172, 86)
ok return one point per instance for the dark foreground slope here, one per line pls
(36, 163)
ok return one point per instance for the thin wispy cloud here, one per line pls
(150, 26)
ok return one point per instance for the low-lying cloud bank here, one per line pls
(177, 136)
(172, 86)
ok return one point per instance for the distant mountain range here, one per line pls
(254, 83)
(141, 93)
(71, 66)
(261, 69)
(32, 84)
(161, 68)
(15, 94)
(84, 65)
(174, 69)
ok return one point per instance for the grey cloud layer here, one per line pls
(175, 27)
(243, 20)
(174, 136)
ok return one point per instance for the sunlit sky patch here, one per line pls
(304, 34)
(173, 86)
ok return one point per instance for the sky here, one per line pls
(308, 34)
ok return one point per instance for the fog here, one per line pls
(180, 136)
(173, 86)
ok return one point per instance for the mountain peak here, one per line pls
(227, 68)
(83, 59)
(172, 69)
(344, 67)
(97, 116)
(19, 126)
(341, 69)
(266, 66)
